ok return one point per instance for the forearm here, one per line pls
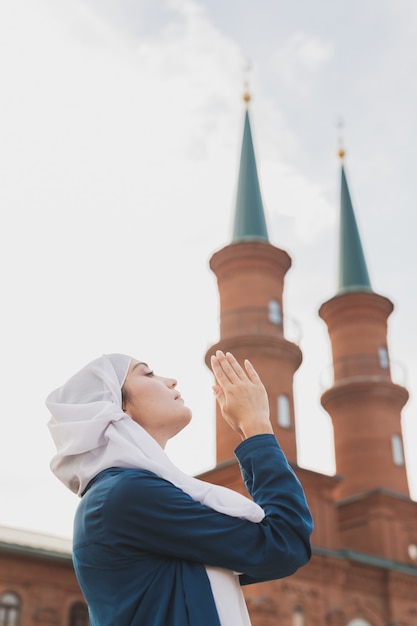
(274, 486)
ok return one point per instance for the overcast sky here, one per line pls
(120, 130)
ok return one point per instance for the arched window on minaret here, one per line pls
(284, 414)
(274, 312)
(383, 358)
(397, 450)
(298, 616)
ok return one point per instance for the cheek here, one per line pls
(147, 404)
(136, 397)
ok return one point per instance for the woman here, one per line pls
(153, 546)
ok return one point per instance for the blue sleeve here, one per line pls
(152, 515)
(273, 485)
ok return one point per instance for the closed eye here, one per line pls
(149, 373)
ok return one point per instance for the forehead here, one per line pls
(137, 366)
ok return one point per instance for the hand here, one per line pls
(241, 395)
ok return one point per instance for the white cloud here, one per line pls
(299, 58)
(303, 201)
(308, 51)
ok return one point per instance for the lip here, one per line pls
(178, 397)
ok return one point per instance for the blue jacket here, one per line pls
(140, 543)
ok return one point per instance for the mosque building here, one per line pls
(363, 571)
(364, 566)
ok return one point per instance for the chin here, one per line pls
(188, 419)
(190, 416)
(185, 421)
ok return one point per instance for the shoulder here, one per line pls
(121, 478)
(121, 488)
(118, 474)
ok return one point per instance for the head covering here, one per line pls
(84, 412)
(92, 433)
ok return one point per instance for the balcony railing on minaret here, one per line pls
(361, 367)
(259, 321)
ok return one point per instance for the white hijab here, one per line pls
(92, 433)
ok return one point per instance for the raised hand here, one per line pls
(241, 395)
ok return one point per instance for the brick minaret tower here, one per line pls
(364, 404)
(250, 275)
(363, 569)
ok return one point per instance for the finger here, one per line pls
(218, 371)
(218, 394)
(222, 369)
(251, 372)
(237, 368)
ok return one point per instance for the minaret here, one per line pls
(363, 402)
(250, 274)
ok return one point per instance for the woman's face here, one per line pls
(153, 402)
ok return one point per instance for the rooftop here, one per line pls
(20, 540)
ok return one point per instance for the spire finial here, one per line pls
(246, 95)
(341, 151)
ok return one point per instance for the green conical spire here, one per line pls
(249, 213)
(353, 273)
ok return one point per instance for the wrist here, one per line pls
(257, 429)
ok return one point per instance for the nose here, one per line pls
(171, 382)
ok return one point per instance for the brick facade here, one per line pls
(37, 582)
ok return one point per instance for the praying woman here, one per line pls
(153, 546)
